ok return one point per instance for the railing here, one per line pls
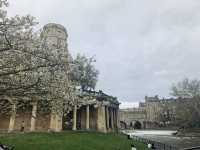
(159, 145)
(197, 148)
(155, 145)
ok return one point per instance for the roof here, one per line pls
(100, 96)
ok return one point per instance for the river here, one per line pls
(167, 137)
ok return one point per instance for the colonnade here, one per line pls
(106, 118)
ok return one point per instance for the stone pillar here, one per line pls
(74, 118)
(56, 121)
(87, 117)
(33, 116)
(12, 117)
(114, 118)
(101, 119)
(112, 121)
(58, 125)
(117, 117)
(52, 121)
(107, 117)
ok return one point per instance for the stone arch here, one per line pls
(123, 125)
(137, 125)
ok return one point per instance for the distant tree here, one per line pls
(188, 93)
(83, 72)
(186, 88)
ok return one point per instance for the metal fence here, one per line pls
(155, 145)
(193, 148)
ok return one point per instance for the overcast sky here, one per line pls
(141, 46)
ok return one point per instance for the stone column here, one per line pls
(87, 117)
(56, 121)
(114, 118)
(117, 117)
(12, 117)
(52, 121)
(33, 116)
(107, 117)
(115, 110)
(58, 125)
(74, 118)
(112, 121)
(101, 119)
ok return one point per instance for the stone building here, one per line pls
(160, 112)
(152, 113)
(99, 113)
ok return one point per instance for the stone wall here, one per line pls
(43, 122)
(23, 116)
(4, 122)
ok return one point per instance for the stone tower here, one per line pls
(54, 40)
(54, 37)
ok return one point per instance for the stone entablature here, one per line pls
(100, 98)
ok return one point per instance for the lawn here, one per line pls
(69, 141)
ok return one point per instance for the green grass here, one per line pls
(69, 141)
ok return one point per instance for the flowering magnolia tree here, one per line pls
(31, 71)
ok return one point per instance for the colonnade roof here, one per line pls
(100, 96)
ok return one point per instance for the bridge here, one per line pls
(132, 118)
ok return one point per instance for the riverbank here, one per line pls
(69, 140)
(189, 133)
(167, 137)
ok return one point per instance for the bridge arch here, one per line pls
(123, 125)
(137, 125)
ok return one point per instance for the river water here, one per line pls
(167, 137)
